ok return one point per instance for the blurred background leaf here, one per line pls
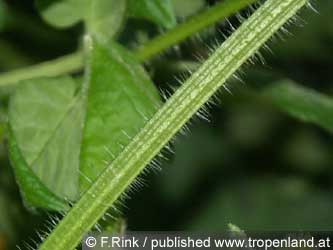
(63, 13)
(106, 18)
(103, 17)
(158, 11)
(184, 10)
(302, 103)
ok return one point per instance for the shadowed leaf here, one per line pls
(157, 11)
(103, 18)
(303, 103)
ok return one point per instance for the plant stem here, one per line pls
(186, 101)
(66, 64)
(74, 62)
(192, 26)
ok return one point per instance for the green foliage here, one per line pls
(121, 98)
(63, 13)
(104, 124)
(157, 11)
(192, 26)
(34, 193)
(58, 143)
(47, 118)
(106, 17)
(183, 9)
(156, 133)
(103, 18)
(303, 103)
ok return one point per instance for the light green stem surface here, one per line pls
(74, 62)
(66, 64)
(168, 120)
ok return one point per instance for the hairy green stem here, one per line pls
(186, 101)
(74, 62)
(192, 26)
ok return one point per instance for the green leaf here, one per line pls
(121, 98)
(53, 154)
(103, 18)
(158, 11)
(63, 13)
(33, 191)
(106, 18)
(46, 120)
(185, 9)
(303, 103)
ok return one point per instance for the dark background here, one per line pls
(252, 165)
